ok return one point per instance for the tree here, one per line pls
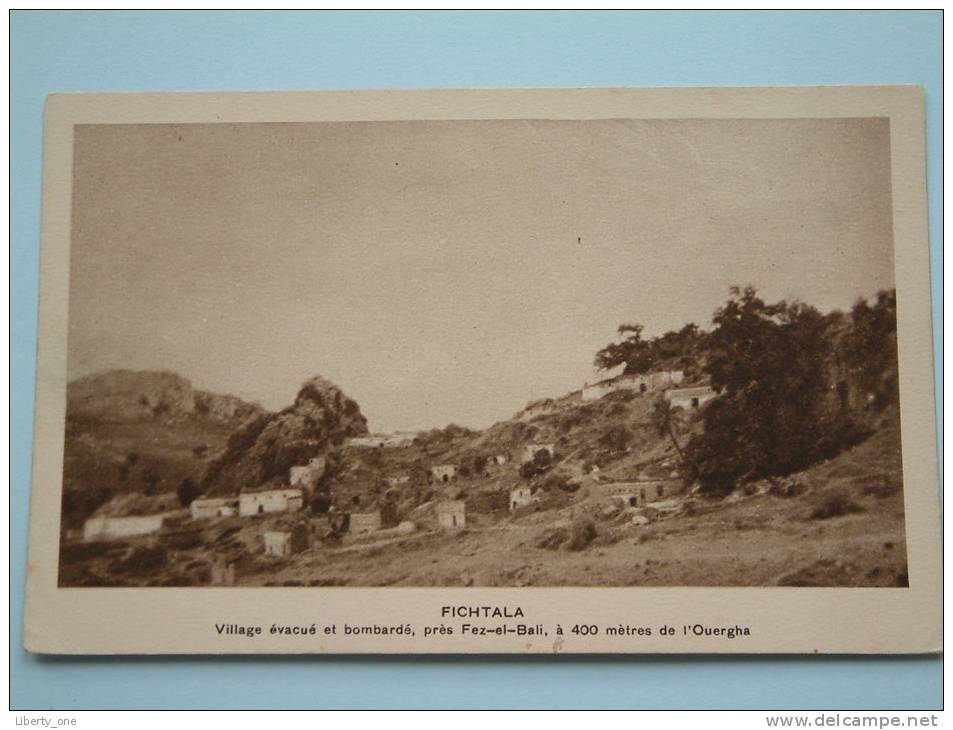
(633, 352)
(540, 463)
(187, 492)
(665, 418)
(616, 437)
(683, 348)
(768, 362)
(870, 347)
(152, 479)
(321, 503)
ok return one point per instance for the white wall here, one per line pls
(110, 528)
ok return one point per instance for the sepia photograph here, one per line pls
(565, 370)
(518, 352)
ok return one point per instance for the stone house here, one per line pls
(452, 515)
(261, 501)
(277, 543)
(131, 514)
(283, 543)
(108, 527)
(690, 398)
(306, 476)
(443, 473)
(637, 493)
(642, 383)
(520, 497)
(206, 508)
(364, 523)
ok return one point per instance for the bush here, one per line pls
(553, 538)
(182, 540)
(880, 488)
(541, 463)
(561, 482)
(187, 492)
(616, 438)
(321, 504)
(581, 533)
(144, 559)
(71, 553)
(835, 505)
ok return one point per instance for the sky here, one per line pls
(451, 271)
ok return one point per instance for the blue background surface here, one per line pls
(127, 51)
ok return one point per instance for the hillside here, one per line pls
(610, 439)
(132, 431)
(780, 464)
(838, 523)
(264, 448)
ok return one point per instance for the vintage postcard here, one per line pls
(485, 371)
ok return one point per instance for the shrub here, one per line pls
(561, 482)
(581, 533)
(187, 492)
(837, 504)
(553, 538)
(320, 504)
(616, 438)
(617, 409)
(540, 463)
(80, 552)
(143, 559)
(880, 488)
(183, 540)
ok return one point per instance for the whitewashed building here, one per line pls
(520, 497)
(690, 398)
(452, 515)
(640, 492)
(277, 543)
(283, 543)
(262, 501)
(643, 383)
(364, 523)
(443, 473)
(205, 508)
(106, 527)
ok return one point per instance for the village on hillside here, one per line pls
(281, 523)
(529, 501)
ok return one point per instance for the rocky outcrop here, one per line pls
(267, 446)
